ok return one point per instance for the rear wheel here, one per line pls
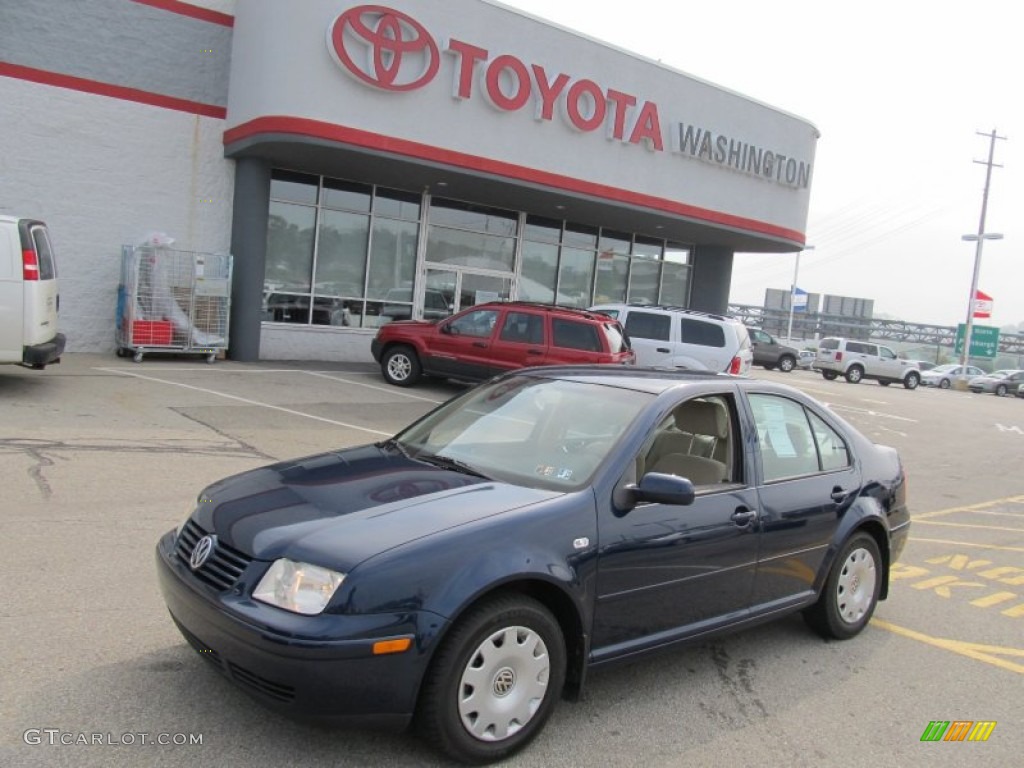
(854, 374)
(851, 592)
(1000, 390)
(494, 682)
(912, 380)
(401, 366)
(787, 363)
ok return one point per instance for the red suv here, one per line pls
(488, 339)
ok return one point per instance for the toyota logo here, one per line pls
(384, 48)
(204, 548)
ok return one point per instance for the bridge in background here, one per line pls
(813, 325)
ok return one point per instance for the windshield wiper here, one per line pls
(447, 462)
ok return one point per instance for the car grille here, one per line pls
(222, 568)
(276, 691)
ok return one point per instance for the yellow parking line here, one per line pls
(968, 544)
(969, 525)
(990, 654)
(971, 507)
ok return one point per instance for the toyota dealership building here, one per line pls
(369, 162)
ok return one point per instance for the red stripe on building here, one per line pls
(113, 91)
(315, 129)
(192, 11)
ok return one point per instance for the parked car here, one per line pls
(769, 353)
(495, 337)
(923, 365)
(684, 338)
(859, 360)
(999, 383)
(805, 359)
(943, 376)
(464, 574)
(29, 299)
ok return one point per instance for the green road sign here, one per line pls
(984, 340)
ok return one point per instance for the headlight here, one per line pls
(298, 587)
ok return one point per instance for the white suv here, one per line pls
(857, 360)
(683, 338)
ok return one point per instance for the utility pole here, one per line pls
(979, 240)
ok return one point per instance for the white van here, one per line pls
(28, 295)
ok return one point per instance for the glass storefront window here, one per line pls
(341, 255)
(538, 274)
(648, 247)
(392, 260)
(294, 187)
(290, 232)
(477, 218)
(575, 276)
(643, 280)
(580, 235)
(459, 247)
(614, 242)
(347, 195)
(397, 205)
(612, 276)
(543, 230)
(675, 275)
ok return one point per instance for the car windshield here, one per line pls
(525, 430)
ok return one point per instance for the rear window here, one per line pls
(701, 333)
(829, 344)
(47, 266)
(647, 325)
(573, 335)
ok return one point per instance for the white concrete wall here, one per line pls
(281, 342)
(102, 172)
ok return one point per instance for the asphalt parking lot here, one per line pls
(100, 456)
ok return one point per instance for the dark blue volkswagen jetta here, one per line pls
(466, 573)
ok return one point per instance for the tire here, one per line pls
(944, 384)
(494, 681)
(854, 374)
(829, 375)
(787, 363)
(884, 383)
(850, 594)
(768, 367)
(912, 380)
(1000, 390)
(401, 366)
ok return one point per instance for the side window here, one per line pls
(696, 442)
(523, 327)
(831, 449)
(871, 349)
(647, 325)
(788, 446)
(855, 346)
(698, 332)
(479, 323)
(761, 337)
(574, 335)
(886, 354)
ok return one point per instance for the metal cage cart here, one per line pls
(172, 301)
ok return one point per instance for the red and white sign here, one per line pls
(982, 304)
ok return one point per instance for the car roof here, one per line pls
(670, 308)
(551, 308)
(652, 380)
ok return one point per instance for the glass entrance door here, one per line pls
(447, 291)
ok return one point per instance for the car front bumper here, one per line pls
(330, 674)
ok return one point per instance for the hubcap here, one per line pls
(399, 367)
(855, 591)
(504, 683)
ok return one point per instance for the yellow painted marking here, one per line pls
(982, 730)
(1015, 612)
(903, 571)
(998, 575)
(989, 654)
(971, 507)
(994, 599)
(968, 544)
(958, 562)
(969, 525)
(1015, 515)
(942, 584)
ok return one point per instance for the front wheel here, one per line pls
(912, 380)
(829, 375)
(1001, 390)
(854, 374)
(401, 366)
(851, 591)
(944, 384)
(494, 682)
(787, 363)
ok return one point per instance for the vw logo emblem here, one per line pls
(204, 548)
(384, 48)
(504, 682)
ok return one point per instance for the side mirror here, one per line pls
(660, 488)
(445, 328)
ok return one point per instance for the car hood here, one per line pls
(337, 509)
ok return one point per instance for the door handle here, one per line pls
(743, 517)
(666, 350)
(481, 344)
(839, 495)
(535, 351)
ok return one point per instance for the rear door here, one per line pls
(521, 341)
(11, 293)
(39, 285)
(650, 334)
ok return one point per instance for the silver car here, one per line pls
(943, 376)
(999, 383)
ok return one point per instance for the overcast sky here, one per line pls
(898, 90)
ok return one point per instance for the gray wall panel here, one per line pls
(121, 43)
